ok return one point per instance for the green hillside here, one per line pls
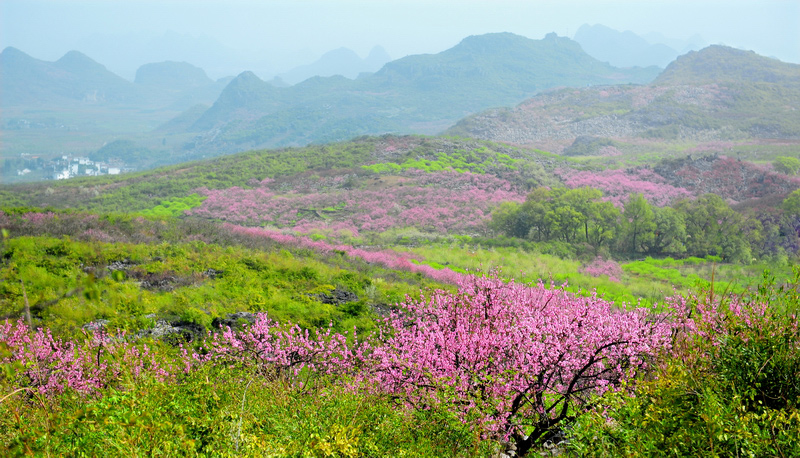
(716, 94)
(241, 306)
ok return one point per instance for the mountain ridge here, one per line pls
(714, 94)
(420, 93)
(74, 77)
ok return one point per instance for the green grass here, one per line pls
(67, 283)
(648, 281)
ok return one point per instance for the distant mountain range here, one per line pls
(342, 61)
(627, 49)
(415, 94)
(78, 81)
(73, 78)
(565, 93)
(718, 93)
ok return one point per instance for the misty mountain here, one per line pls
(124, 54)
(623, 49)
(721, 63)
(718, 93)
(180, 82)
(171, 75)
(342, 61)
(415, 94)
(75, 78)
(693, 43)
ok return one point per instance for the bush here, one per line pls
(730, 387)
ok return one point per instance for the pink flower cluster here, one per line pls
(441, 202)
(516, 356)
(386, 258)
(617, 185)
(283, 350)
(600, 267)
(38, 217)
(96, 235)
(51, 365)
(711, 319)
(732, 179)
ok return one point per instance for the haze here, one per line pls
(270, 37)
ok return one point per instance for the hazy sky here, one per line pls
(226, 37)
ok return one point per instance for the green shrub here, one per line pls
(730, 388)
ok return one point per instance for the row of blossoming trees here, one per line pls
(517, 362)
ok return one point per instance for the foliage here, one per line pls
(791, 205)
(522, 360)
(713, 228)
(571, 216)
(729, 387)
(171, 271)
(230, 411)
(480, 160)
(787, 165)
(175, 207)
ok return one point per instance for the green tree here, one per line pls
(791, 205)
(565, 222)
(669, 233)
(504, 218)
(603, 224)
(787, 165)
(638, 223)
(713, 228)
(532, 221)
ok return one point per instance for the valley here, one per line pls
(508, 248)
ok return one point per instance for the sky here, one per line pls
(272, 36)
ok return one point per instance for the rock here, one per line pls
(123, 265)
(338, 296)
(212, 273)
(175, 332)
(96, 325)
(234, 320)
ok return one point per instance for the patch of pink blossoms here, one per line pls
(438, 202)
(386, 258)
(600, 267)
(617, 185)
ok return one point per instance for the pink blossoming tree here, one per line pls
(518, 359)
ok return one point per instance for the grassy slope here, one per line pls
(143, 190)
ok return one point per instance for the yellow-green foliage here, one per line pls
(68, 283)
(230, 412)
(477, 161)
(732, 391)
(176, 206)
(648, 281)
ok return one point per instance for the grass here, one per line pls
(648, 281)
